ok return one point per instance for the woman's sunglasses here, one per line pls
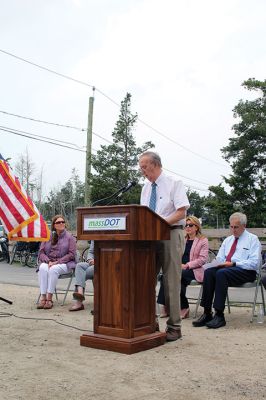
(189, 225)
(59, 222)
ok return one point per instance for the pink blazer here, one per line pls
(198, 256)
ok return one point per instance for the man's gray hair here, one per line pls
(155, 158)
(242, 218)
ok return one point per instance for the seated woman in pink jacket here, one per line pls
(194, 257)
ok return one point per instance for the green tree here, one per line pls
(196, 204)
(218, 207)
(65, 200)
(116, 164)
(246, 153)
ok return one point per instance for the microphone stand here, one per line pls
(7, 301)
(107, 198)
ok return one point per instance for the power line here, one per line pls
(40, 139)
(44, 122)
(53, 123)
(47, 69)
(113, 101)
(186, 177)
(180, 145)
(39, 136)
(69, 145)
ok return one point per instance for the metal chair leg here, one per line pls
(228, 303)
(67, 290)
(254, 302)
(198, 301)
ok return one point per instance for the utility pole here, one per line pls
(87, 199)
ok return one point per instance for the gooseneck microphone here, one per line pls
(118, 193)
(126, 188)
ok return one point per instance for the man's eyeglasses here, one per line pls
(189, 225)
(59, 222)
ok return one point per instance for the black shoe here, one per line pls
(217, 322)
(202, 320)
(173, 334)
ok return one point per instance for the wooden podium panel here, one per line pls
(124, 283)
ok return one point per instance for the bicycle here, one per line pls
(26, 253)
(4, 251)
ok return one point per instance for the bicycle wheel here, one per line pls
(13, 254)
(84, 255)
(22, 258)
(31, 260)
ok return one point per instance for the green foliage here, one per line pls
(116, 164)
(246, 152)
(196, 204)
(66, 200)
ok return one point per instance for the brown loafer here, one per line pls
(78, 296)
(76, 308)
(173, 334)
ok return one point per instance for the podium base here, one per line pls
(121, 345)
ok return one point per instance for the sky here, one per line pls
(183, 61)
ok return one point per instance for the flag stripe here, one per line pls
(19, 215)
(11, 184)
(5, 221)
(13, 210)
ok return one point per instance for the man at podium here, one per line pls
(167, 197)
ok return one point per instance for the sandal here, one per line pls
(41, 304)
(78, 296)
(48, 305)
(76, 307)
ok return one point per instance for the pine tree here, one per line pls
(116, 164)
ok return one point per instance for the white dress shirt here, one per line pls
(170, 196)
(248, 251)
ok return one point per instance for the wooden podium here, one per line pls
(124, 275)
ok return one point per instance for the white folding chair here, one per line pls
(256, 284)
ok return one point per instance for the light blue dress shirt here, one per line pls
(248, 251)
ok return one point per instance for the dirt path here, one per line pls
(43, 360)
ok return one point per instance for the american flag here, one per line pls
(19, 215)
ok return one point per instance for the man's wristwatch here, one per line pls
(234, 264)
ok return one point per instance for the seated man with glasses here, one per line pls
(237, 263)
(195, 255)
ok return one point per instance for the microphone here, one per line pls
(126, 188)
(117, 194)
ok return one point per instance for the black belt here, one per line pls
(176, 227)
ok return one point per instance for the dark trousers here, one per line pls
(187, 277)
(216, 282)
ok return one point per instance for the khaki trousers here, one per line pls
(169, 258)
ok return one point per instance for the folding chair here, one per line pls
(256, 284)
(70, 275)
(211, 256)
(196, 283)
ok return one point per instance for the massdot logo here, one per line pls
(105, 222)
(108, 223)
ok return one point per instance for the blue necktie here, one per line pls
(152, 203)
